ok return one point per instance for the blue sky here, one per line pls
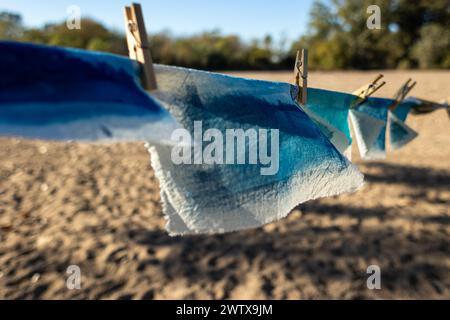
(248, 18)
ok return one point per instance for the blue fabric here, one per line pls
(56, 93)
(223, 197)
(330, 110)
(403, 109)
(401, 134)
(376, 108)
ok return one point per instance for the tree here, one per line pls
(412, 35)
(338, 36)
(433, 48)
(92, 36)
(11, 27)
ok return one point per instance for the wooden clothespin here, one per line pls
(138, 46)
(367, 90)
(301, 75)
(402, 93)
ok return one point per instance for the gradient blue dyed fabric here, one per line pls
(330, 110)
(56, 93)
(369, 121)
(221, 197)
(401, 134)
(403, 109)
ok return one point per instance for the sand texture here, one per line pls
(98, 207)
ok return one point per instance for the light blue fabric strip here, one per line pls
(378, 109)
(400, 133)
(330, 109)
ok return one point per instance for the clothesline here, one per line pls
(283, 153)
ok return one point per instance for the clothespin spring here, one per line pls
(367, 90)
(402, 93)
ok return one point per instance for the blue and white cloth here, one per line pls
(222, 197)
(69, 94)
(55, 93)
(330, 111)
(369, 121)
(400, 133)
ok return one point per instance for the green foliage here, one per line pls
(10, 26)
(413, 34)
(212, 51)
(433, 48)
(92, 36)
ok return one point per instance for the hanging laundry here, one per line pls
(330, 109)
(369, 121)
(401, 134)
(221, 197)
(230, 153)
(61, 94)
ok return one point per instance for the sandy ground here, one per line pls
(98, 207)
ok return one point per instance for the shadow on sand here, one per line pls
(324, 254)
(411, 262)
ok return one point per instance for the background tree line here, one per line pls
(413, 34)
